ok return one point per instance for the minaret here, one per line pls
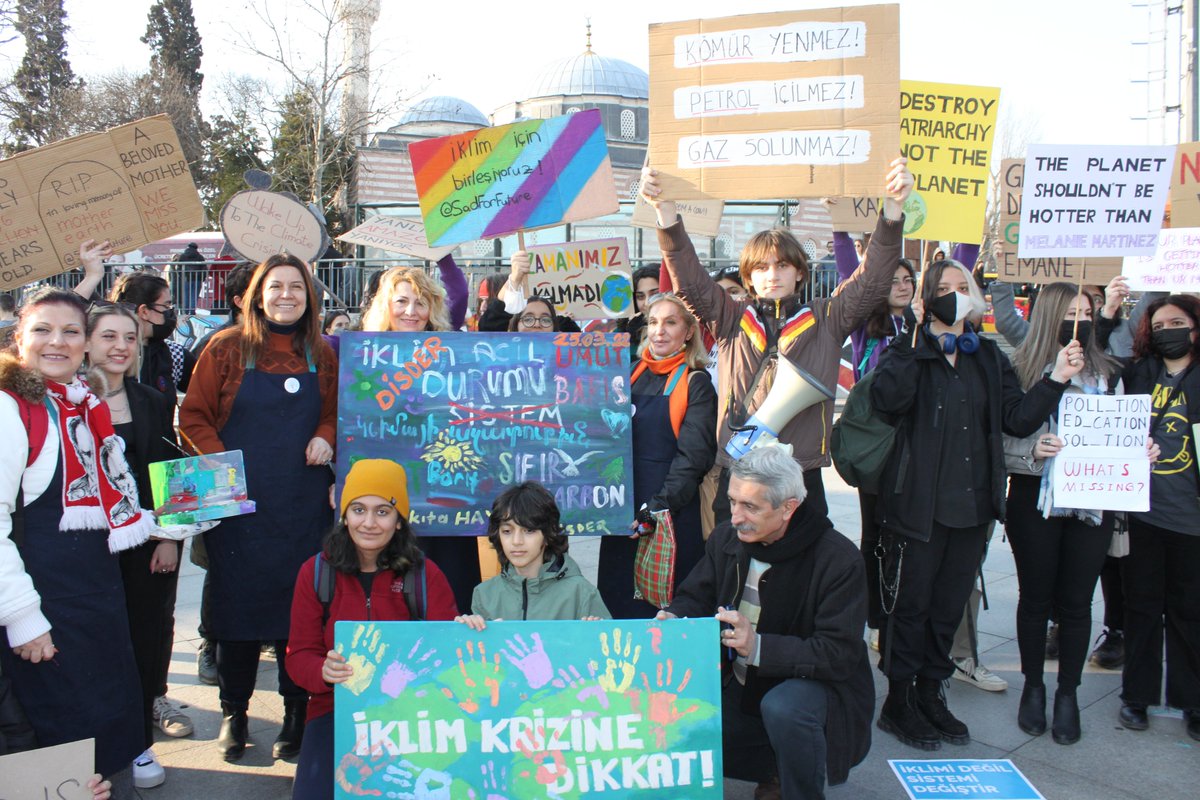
(358, 17)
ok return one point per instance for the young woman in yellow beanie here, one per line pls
(369, 554)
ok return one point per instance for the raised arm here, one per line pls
(455, 283)
(92, 256)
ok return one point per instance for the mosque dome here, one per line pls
(443, 109)
(588, 73)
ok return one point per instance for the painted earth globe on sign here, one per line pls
(616, 293)
(915, 213)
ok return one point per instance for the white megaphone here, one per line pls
(793, 391)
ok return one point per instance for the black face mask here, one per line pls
(1066, 332)
(163, 330)
(1172, 342)
(950, 308)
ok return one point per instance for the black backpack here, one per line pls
(325, 583)
(862, 438)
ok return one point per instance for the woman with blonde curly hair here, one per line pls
(409, 301)
(674, 446)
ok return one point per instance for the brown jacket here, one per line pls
(816, 343)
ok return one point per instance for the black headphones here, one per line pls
(967, 342)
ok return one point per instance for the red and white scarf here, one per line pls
(99, 490)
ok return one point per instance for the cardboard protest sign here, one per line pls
(946, 134)
(787, 104)
(1174, 267)
(60, 772)
(130, 186)
(628, 709)
(700, 217)
(996, 778)
(1039, 270)
(260, 224)
(469, 415)
(402, 235)
(1094, 200)
(529, 174)
(1185, 186)
(588, 280)
(855, 214)
(1103, 463)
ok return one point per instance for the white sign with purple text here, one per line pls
(1174, 267)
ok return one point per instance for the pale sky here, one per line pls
(1063, 65)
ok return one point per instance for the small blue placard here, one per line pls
(997, 779)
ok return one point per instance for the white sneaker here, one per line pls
(170, 720)
(147, 772)
(970, 672)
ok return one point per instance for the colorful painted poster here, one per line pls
(1010, 268)
(588, 280)
(403, 235)
(194, 327)
(996, 778)
(130, 185)
(199, 488)
(468, 415)
(946, 134)
(785, 104)
(1094, 200)
(1103, 462)
(529, 174)
(1174, 267)
(564, 710)
(1185, 186)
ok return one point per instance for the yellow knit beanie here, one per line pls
(381, 477)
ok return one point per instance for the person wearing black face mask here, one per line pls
(1162, 570)
(166, 365)
(953, 394)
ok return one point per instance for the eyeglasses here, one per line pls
(536, 322)
(161, 308)
(900, 281)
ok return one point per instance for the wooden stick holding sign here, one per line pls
(1078, 295)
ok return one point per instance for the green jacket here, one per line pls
(558, 592)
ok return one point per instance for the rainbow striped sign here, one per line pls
(530, 174)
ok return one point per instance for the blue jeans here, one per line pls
(788, 740)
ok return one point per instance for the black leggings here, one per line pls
(237, 671)
(1058, 562)
(150, 604)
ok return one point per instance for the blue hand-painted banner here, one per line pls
(559, 710)
(469, 414)
(996, 778)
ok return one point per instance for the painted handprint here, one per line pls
(532, 660)
(410, 782)
(474, 675)
(663, 711)
(495, 785)
(571, 677)
(627, 666)
(353, 773)
(364, 660)
(400, 674)
(544, 774)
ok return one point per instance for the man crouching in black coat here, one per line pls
(791, 595)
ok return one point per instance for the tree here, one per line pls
(234, 147)
(174, 71)
(302, 143)
(44, 87)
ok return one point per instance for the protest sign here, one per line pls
(1012, 269)
(1094, 200)
(530, 709)
(199, 488)
(469, 415)
(997, 779)
(61, 772)
(855, 214)
(786, 104)
(1174, 267)
(1103, 462)
(588, 280)
(1185, 186)
(130, 186)
(402, 235)
(700, 217)
(260, 224)
(946, 134)
(529, 174)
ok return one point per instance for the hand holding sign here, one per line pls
(1068, 363)
(896, 188)
(651, 190)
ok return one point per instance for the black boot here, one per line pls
(901, 718)
(1031, 716)
(291, 733)
(1065, 729)
(932, 703)
(234, 728)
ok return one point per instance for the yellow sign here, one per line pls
(946, 133)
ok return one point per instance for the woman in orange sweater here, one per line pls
(268, 388)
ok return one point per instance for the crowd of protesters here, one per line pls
(91, 395)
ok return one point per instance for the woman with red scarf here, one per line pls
(67, 503)
(674, 446)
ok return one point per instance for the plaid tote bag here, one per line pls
(654, 565)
